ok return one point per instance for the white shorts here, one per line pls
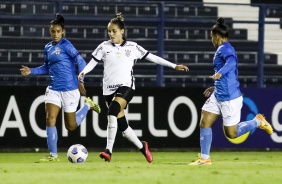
(68, 99)
(229, 110)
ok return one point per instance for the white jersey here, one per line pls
(118, 63)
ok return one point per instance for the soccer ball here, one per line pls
(77, 153)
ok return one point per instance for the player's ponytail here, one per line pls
(119, 21)
(119, 17)
(220, 28)
(58, 20)
(220, 21)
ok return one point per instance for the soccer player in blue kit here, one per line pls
(119, 56)
(64, 89)
(225, 97)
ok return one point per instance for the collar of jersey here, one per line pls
(122, 44)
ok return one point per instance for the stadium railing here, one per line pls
(177, 31)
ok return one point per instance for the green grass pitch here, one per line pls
(132, 168)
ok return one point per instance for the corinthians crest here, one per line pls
(127, 52)
(57, 50)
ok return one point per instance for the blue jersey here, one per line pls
(226, 63)
(60, 62)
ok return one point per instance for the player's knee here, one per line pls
(122, 124)
(114, 108)
(230, 135)
(70, 127)
(203, 124)
(51, 120)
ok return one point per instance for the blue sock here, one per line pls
(52, 138)
(205, 142)
(81, 114)
(245, 126)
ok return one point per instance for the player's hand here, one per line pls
(182, 68)
(25, 70)
(208, 91)
(82, 89)
(216, 76)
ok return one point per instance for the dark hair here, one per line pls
(58, 20)
(118, 21)
(220, 28)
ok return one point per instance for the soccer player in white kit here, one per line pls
(225, 98)
(118, 56)
(63, 92)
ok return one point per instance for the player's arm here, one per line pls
(161, 61)
(89, 67)
(74, 55)
(80, 63)
(229, 65)
(97, 55)
(44, 69)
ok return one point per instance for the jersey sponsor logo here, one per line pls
(127, 53)
(114, 86)
(57, 50)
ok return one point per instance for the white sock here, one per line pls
(88, 105)
(111, 132)
(131, 136)
(205, 156)
(258, 121)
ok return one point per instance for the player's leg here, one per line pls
(246, 126)
(52, 109)
(263, 124)
(70, 100)
(129, 134)
(52, 112)
(231, 113)
(210, 113)
(107, 154)
(206, 122)
(122, 97)
(114, 109)
(239, 129)
(127, 131)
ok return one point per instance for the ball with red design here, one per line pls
(77, 153)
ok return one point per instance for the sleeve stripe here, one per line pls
(96, 59)
(145, 55)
